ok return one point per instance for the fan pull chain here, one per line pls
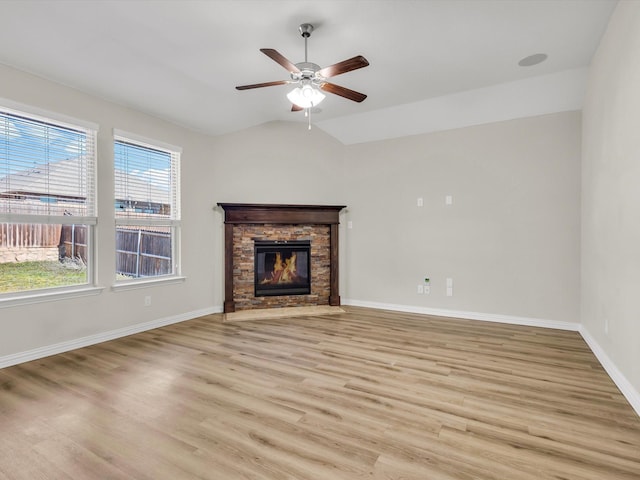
(309, 116)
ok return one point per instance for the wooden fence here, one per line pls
(21, 235)
(143, 253)
(73, 242)
(139, 252)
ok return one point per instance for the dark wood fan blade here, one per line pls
(296, 108)
(343, 67)
(260, 85)
(343, 92)
(278, 58)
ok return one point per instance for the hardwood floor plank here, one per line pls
(576, 451)
(534, 461)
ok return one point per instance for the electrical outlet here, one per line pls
(427, 289)
(147, 301)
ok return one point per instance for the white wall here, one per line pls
(511, 239)
(274, 163)
(24, 328)
(610, 283)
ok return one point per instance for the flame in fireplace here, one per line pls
(283, 272)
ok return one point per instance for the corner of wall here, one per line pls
(624, 385)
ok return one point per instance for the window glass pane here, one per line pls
(144, 251)
(147, 208)
(45, 169)
(145, 182)
(47, 202)
(38, 255)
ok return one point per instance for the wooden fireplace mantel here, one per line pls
(252, 213)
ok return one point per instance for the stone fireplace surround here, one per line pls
(245, 223)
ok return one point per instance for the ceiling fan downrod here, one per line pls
(305, 30)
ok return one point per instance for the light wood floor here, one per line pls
(361, 395)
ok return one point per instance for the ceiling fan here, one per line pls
(310, 79)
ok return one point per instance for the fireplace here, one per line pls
(280, 224)
(282, 268)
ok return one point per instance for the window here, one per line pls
(47, 203)
(147, 208)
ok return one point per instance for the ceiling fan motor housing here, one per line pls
(307, 71)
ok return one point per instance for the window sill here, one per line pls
(49, 296)
(146, 283)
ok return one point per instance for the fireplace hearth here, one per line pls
(282, 268)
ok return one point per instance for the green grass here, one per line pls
(18, 277)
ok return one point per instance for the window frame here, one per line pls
(90, 219)
(174, 223)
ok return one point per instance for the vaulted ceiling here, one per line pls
(433, 64)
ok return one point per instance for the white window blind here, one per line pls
(47, 202)
(47, 169)
(147, 208)
(146, 183)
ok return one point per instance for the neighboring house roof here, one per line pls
(52, 179)
(47, 179)
(136, 187)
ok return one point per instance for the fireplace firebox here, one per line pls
(282, 267)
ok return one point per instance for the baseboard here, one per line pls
(630, 393)
(485, 317)
(36, 353)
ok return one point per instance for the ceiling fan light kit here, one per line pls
(310, 79)
(306, 96)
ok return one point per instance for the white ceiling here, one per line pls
(180, 60)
